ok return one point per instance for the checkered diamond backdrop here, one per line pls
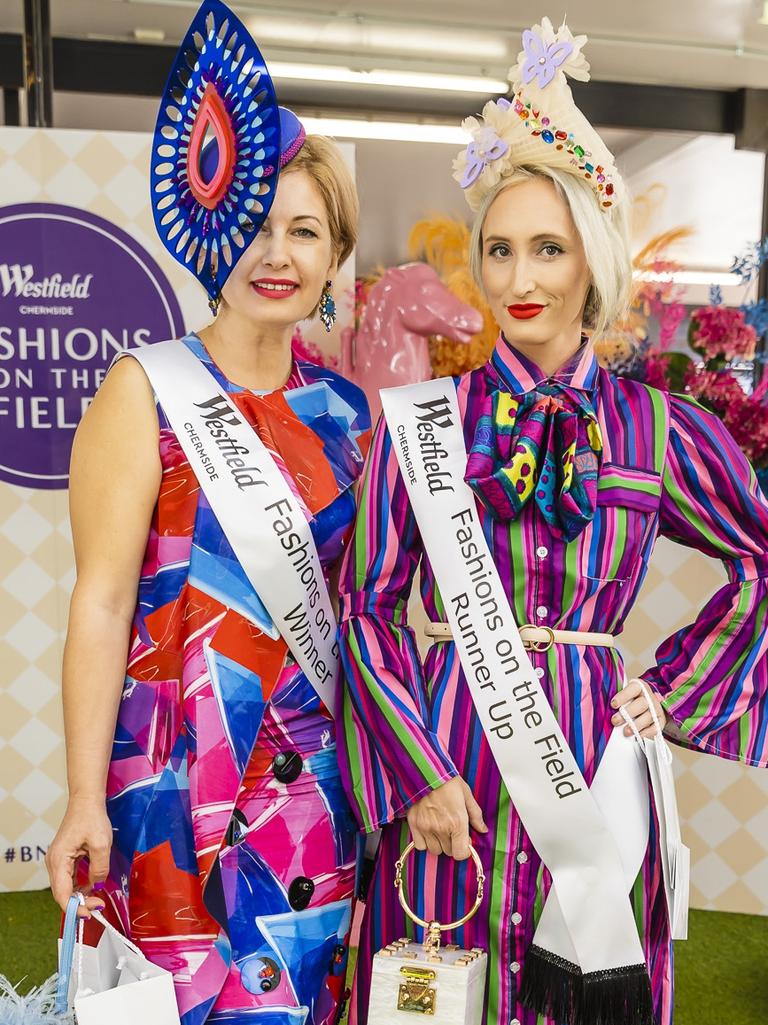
(37, 577)
(723, 804)
(105, 173)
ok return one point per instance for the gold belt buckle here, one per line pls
(538, 646)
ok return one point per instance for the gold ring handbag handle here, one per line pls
(432, 940)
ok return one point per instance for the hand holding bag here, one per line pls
(112, 982)
(445, 984)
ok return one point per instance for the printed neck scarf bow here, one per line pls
(545, 444)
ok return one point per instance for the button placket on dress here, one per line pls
(542, 593)
(515, 934)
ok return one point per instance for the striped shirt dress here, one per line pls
(644, 464)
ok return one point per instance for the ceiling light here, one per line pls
(691, 277)
(364, 36)
(394, 131)
(387, 78)
(149, 35)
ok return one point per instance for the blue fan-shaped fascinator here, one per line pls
(220, 142)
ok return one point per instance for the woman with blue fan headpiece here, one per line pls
(212, 496)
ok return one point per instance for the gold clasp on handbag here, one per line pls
(416, 995)
(434, 929)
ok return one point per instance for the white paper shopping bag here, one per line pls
(675, 856)
(111, 983)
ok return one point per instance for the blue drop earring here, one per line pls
(327, 307)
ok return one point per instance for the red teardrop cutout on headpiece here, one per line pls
(213, 113)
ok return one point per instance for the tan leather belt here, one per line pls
(535, 638)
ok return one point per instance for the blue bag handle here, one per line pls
(68, 941)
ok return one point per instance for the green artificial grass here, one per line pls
(29, 928)
(721, 971)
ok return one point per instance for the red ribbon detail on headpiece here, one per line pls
(211, 112)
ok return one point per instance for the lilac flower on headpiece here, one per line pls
(542, 61)
(548, 54)
(486, 147)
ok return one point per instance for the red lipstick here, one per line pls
(524, 311)
(274, 288)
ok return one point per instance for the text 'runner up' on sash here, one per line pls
(525, 694)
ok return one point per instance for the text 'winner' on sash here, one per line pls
(261, 516)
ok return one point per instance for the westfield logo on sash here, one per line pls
(436, 413)
(21, 280)
(217, 414)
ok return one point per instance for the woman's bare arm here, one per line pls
(114, 482)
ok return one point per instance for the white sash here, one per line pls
(260, 515)
(590, 923)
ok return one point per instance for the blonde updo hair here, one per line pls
(604, 235)
(323, 162)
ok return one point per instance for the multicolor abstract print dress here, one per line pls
(575, 477)
(235, 851)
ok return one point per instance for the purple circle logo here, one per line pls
(74, 292)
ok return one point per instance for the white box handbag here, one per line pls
(111, 983)
(446, 984)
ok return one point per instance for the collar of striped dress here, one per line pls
(538, 437)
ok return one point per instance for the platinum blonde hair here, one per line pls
(604, 235)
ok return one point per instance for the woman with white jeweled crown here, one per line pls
(570, 475)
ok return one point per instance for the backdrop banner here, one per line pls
(83, 276)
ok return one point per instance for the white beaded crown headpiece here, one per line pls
(540, 124)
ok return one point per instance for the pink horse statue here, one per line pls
(391, 348)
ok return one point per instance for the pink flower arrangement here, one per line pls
(745, 416)
(662, 299)
(720, 336)
(720, 332)
(718, 388)
(656, 370)
(748, 424)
